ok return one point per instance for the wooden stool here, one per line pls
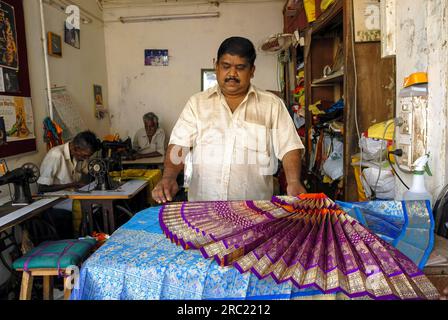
(49, 259)
(27, 283)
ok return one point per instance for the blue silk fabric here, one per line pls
(139, 263)
(407, 225)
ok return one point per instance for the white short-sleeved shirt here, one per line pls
(143, 145)
(58, 168)
(234, 154)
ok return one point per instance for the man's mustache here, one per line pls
(232, 78)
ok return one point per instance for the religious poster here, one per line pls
(367, 20)
(18, 118)
(156, 57)
(100, 109)
(9, 57)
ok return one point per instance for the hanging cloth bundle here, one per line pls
(52, 133)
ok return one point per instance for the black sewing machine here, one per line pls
(112, 153)
(440, 212)
(21, 179)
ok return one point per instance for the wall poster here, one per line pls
(156, 57)
(15, 94)
(18, 117)
(100, 109)
(367, 20)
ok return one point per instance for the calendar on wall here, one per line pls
(66, 113)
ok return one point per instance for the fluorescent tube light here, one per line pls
(169, 17)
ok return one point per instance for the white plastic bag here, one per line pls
(372, 148)
(334, 165)
(385, 188)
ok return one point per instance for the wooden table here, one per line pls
(437, 266)
(89, 197)
(156, 162)
(13, 215)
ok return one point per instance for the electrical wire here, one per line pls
(395, 172)
(381, 156)
(355, 105)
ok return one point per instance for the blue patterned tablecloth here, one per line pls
(139, 263)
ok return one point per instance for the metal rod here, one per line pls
(47, 70)
(169, 17)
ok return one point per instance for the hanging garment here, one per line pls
(52, 133)
(308, 240)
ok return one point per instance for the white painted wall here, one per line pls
(78, 70)
(135, 89)
(422, 45)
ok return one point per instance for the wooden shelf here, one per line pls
(328, 18)
(376, 97)
(336, 77)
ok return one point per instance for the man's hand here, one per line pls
(295, 188)
(165, 190)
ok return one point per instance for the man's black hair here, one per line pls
(87, 140)
(151, 116)
(238, 46)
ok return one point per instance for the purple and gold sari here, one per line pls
(308, 240)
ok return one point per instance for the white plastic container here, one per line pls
(418, 190)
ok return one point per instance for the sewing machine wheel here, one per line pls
(31, 167)
(97, 167)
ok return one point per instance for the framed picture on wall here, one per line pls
(17, 133)
(99, 105)
(9, 55)
(72, 35)
(156, 57)
(54, 44)
(208, 79)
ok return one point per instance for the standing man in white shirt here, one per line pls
(149, 142)
(236, 132)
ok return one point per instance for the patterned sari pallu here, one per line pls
(308, 240)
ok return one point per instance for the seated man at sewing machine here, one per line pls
(149, 142)
(65, 167)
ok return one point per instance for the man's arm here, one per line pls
(167, 188)
(292, 165)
